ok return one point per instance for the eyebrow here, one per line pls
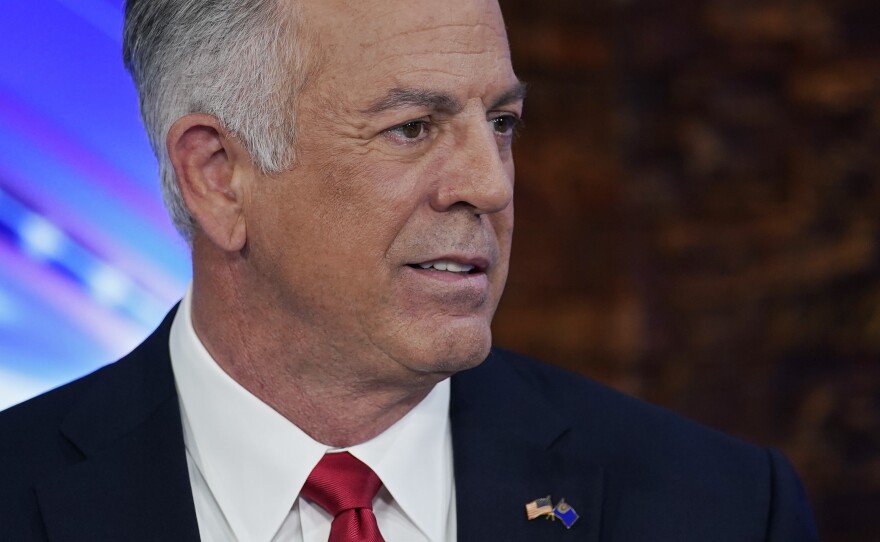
(399, 98)
(516, 93)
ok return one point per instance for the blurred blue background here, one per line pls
(89, 261)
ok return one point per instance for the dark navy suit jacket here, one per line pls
(102, 459)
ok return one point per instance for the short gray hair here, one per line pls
(237, 60)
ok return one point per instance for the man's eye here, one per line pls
(505, 125)
(411, 131)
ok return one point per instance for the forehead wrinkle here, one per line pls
(399, 98)
(499, 33)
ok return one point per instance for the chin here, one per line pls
(452, 350)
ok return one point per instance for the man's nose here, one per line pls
(476, 175)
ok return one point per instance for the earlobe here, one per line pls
(208, 164)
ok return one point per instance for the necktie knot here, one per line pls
(345, 487)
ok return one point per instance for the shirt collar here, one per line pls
(255, 461)
(413, 458)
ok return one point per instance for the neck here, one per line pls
(333, 396)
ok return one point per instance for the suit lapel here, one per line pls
(509, 448)
(133, 483)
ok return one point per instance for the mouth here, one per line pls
(452, 266)
(460, 284)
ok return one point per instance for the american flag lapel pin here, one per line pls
(539, 507)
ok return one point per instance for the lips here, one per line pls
(463, 266)
(446, 265)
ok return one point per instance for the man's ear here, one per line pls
(210, 165)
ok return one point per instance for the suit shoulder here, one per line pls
(632, 429)
(135, 377)
(680, 478)
(33, 448)
(30, 432)
(44, 411)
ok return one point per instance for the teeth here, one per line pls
(447, 266)
(456, 268)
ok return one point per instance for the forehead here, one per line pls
(400, 43)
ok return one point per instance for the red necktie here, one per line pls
(345, 487)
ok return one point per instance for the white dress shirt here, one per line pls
(247, 463)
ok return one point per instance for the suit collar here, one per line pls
(509, 446)
(127, 426)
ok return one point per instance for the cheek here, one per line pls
(504, 231)
(502, 224)
(371, 199)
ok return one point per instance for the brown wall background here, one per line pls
(697, 220)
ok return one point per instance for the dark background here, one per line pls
(697, 203)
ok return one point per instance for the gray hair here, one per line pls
(233, 59)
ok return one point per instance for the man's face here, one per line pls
(388, 241)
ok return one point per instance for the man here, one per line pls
(343, 172)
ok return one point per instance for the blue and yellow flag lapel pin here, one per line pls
(565, 513)
(544, 507)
